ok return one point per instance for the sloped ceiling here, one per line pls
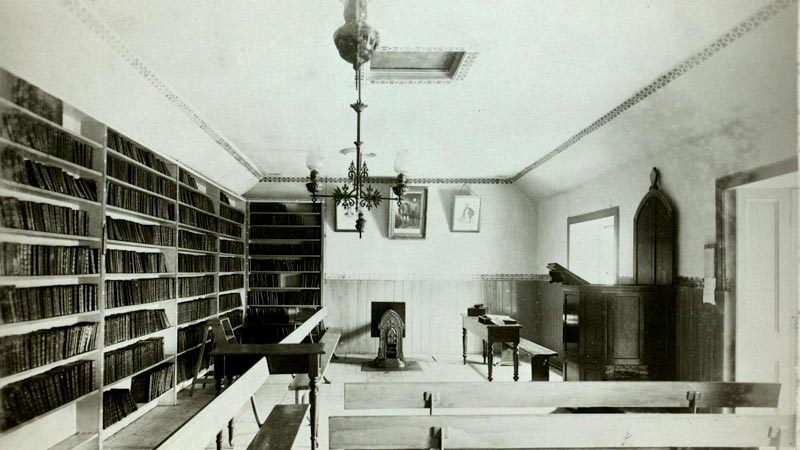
(263, 83)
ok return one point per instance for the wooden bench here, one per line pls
(301, 382)
(540, 359)
(280, 429)
(560, 430)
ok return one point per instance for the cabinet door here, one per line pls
(592, 328)
(591, 372)
(571, 321)
(626, 328)
(571, 370)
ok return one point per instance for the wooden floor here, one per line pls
(348, 369)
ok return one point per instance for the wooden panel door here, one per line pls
(592, 328)
(625, 328)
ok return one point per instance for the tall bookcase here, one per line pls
(285, 245)
(112, 257)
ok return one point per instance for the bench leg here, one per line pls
(219, 440)
(312, 398)
(540, 369)
(230, 433)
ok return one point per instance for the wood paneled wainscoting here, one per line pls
(433, 308)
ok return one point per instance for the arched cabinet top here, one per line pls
(654, 237)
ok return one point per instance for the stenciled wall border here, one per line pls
(435, 276)
(390, 180)
(760, 17)
(104, 33)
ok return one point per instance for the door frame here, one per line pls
(725, 252)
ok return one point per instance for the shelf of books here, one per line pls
(111, 261)
(284, 264)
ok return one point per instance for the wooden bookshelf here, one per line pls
(284, 263)
(114, 162)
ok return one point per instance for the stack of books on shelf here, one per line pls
(230, 301)
(150, 385)
(138, 292)
(25, 304)
(133, 358)
(231, 264)
(136, 152)
(231, 213)
(190, 287)
(37, 101)
(266, 298)
(284, 219)
(232, 247)
(231, 282)
(309, 248)
(229, 229)
(197, 241)
(197, 263)
(187, 362)
(187, 178)
(264, 280)
(309, 280)
(196, 309)
(236, 317)
(117, 404)
(33, 216)
(195, 218)
(22, 352)
(284, 233)
(35, 260)
(196, 199)
(287, 265)
(29, 132)
(18, 169)
(125, 230)
(135, 175)
(122, 327)
(122, 197)
(190, 336)
(31, 397)
(125, 261)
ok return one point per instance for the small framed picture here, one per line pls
(467, 213)
(408, 220)
(344, 219)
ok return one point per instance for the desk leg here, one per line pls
(312, 400)
(230, 433)
(464, 344)
(490, 354)
(516, 361)
(484, 351)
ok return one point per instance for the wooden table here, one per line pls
(490, 334)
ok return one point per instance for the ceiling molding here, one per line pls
(391, 180)
(754, 21)
(466, 63)
(104, 33)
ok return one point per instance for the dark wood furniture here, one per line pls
(540, 359)
(490, 334)
(329, 340)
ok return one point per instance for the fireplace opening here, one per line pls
(390, 330)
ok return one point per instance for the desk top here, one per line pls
(472, 319)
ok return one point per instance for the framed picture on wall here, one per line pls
(407, 221)
(467, 213)
(344, 219)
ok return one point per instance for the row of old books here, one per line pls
(136, 152)
(196, 309)
(230, 301)
(117, 404)
(19, 169)
(308, 248)
(187, 362)
(230, 229)
(283, 298)
(236, 317)
(264, 280)
(122, 327)
(31, 397)
(135, 175)
(140, 202)
(30, 132)
(34, 260)
(269, 207)
(197, 263)
(196, 199)
(128, 231)
(267, 280)
(33, 216)
(198, 219)
(133, 358)
(197, 241)
(230, 213)
(309, 280)
(22, 352)
(231, 264)
(192, 286)
(190, 336)
(284, 219)
(138, 292)
(284, 265)
(126, 261)
(232, 247)
(37, 101)
(230, 282)
(149, 385)
(223, 199)
(187, 178)
(34, 303)
(284, 233)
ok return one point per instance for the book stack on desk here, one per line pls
(494, 319)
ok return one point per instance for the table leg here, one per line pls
(219, 440)
(490, 354)
(464, 344)
(516, 361)
(484, 351)
(230, 433)
(312, 400)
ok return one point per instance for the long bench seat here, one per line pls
(330, 340)
(280, 429)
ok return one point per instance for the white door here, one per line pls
(766, 289)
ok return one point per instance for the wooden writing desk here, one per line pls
(491, 333)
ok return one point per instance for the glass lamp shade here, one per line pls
(402, 162)
(315, 160)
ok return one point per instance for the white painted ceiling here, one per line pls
(266, 75)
